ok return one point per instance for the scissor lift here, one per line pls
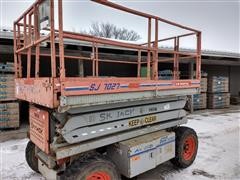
(78, 125)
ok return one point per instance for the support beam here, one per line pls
(139, 63)
(52, 40)
(191, 76)
(155, 59)
(37, 36)
(198, 60)
(61, 43)
(149, 45)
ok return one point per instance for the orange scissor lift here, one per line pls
(80, 127)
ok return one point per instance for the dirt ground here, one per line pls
(218, 154)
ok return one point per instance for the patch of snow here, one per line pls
(218, 150)
(12, 161)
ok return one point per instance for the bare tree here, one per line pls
(109, 30)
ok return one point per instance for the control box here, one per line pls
(137, 155)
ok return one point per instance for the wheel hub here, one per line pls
(99, 175)
(189, 148)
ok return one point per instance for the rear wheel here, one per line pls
(92, 168)
(30, 156)
(186, 147)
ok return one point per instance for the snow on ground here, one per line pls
(12, 161)
(218, 155)
(218, 152)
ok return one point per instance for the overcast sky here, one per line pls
(218, 20)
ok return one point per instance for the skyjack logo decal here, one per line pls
(116, 86)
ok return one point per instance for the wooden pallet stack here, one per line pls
(200, 100)
(9, 106)
(165, 74)
(9, 115)
(218, 92)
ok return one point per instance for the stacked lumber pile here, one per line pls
(9, 106)
(7, 67)
(7, 87)
(218, 84)
(200, 101)
(204, 85)
(9, 115)
(165, 75)
(218, 92)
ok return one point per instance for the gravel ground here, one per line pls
(218, 155)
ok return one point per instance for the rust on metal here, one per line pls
(97, 60)
(155, 59)
(37, 90)
(52, 40)
(93, 60)
(37, 36)
(61, 44)
(149, 45)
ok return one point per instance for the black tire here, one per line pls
(30, 156)
(96, 166)
(186, 147)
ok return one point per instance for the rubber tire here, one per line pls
(30, 156)
(181, 134)
(80, 169)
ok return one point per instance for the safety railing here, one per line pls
(28, 37)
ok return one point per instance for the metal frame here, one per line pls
(69, 150)
(110, 128)
(27, 37)
(95, 118)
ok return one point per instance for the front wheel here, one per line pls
(30, 156)
(93, 168)
(186, 147)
